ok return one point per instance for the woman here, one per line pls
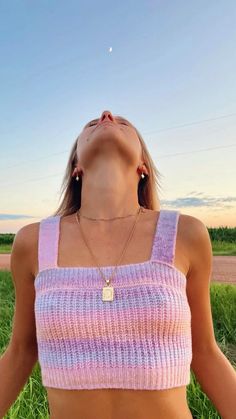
(122, 304)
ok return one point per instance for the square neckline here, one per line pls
(146, 262)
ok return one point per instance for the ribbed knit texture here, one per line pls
(140, 340)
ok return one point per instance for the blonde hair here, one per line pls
(147, 187)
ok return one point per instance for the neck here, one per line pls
(106, 197)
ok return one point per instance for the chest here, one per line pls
(108, 248)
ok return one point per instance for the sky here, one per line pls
(167, 67)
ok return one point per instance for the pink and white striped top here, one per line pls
(140, 340)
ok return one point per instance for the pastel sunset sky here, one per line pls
(167, 67)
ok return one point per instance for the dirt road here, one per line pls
(223, 268)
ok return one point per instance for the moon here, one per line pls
(110, 49)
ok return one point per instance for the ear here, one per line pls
(75, 171)
(144, 169)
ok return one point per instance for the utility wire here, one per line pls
(188, 124)
(197, 151)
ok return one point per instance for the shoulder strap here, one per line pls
(165, 236)
(48, 242)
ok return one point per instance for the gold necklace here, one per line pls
(108, 290)
(108, 219)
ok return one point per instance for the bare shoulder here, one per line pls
(195, 235)
(26, 244)
(194, 242)
(191, 229)
(27, 236)
(28, 232)
(192, 224)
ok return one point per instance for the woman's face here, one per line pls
(107, 135)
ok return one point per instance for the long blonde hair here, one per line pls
(148, 186)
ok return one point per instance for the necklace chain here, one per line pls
(108, 219)
(126, 244)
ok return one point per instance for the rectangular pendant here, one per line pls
(107, 293)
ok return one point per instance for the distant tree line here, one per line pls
(7, 238)
(226, 234)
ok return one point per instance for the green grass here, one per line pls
(223, 248)
(5, 248)
(32, 401)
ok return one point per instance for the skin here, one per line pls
(110, 161)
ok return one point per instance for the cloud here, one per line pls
(205, 201)
(16, 216)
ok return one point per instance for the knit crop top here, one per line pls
(140, 340)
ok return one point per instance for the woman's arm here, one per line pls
(217, 379)
(18, 360)
(212, 369)
(15, 369)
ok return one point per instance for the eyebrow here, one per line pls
(119, 118)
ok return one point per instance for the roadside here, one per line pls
(224, 269)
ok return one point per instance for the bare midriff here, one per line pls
(118, 404)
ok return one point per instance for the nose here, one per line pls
(106, 115)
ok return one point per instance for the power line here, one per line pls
(201, 121)
(35, 160)
(33, 179)
(159, 157)
(197, 151)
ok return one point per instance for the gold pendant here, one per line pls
(107, 293)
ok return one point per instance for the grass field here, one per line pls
(32, 400)
(5, 248)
